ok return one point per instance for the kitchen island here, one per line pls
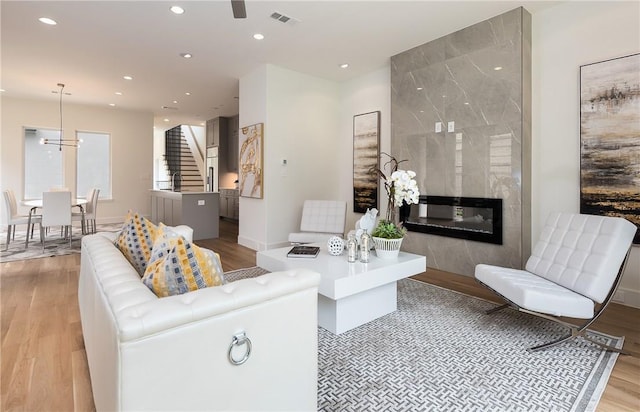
(199, 210)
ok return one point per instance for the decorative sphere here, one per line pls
(335, 245)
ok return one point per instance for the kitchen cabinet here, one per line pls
(217, 130)
(199, 210)
(230, 203)
(229, 146)
(209, 133)
(232, 145)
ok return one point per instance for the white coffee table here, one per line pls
(350, 294)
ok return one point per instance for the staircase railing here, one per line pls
(196, 150)
(184, 160)
(172, 154)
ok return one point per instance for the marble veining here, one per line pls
(479, 78)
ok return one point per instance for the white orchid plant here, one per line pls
(400, 186)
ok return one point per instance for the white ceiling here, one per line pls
(96, 43)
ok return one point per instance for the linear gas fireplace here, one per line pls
(470, 218)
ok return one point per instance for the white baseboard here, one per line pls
(627, 297)
(110, 220)
(250, 243)
(259, 246)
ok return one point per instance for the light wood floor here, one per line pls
(43, 363)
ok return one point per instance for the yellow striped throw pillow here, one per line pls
(178, 266)
(135, 240)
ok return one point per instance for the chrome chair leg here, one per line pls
(575, 332)
(496, 309)
(8, 237)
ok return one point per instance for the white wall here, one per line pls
(160, 174)
(301, 118)
(252, 228)
(131, 149)
(368, 93)
(564, 38)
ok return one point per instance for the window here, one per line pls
(42, 163)
(94, 166)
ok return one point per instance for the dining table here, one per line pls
(35, 204)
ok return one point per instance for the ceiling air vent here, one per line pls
(283, 18)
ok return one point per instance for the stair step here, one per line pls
(183, 162)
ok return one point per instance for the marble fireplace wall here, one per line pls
(479, 78)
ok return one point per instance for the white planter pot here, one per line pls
(387, 248)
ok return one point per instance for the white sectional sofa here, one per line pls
(150, 353)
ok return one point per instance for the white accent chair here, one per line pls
(575, 266)
(13, 218)
(56, 211)
(321, 219)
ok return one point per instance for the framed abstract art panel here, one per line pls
(250, 171)
(610, 138)
(366, 152)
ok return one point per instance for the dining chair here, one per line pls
(80, 216)
(13, 218)
(91, 209)
(87, 214)
(56, 211)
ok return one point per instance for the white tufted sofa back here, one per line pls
(150, 353)
(583, 253)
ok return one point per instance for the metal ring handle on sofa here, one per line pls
(239, 340)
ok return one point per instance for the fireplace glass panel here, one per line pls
(478, 219)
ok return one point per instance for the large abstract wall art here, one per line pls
(610, 138)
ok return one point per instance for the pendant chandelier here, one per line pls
(60, 141)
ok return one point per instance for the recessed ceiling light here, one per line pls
(127, 77)
(175, 102)
(467, 103)
(47, 20)
(112, 104)
(188, 94)
(166, 120)
(344, 65)
(497, 68)
(202, 124)
(418, 88)
(186, 55)
(2, 90)
(118, 93)
(258, 36)
(177, 9)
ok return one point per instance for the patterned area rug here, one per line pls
(54, 244)
(440, 352)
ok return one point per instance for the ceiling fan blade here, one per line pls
(239, 11)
